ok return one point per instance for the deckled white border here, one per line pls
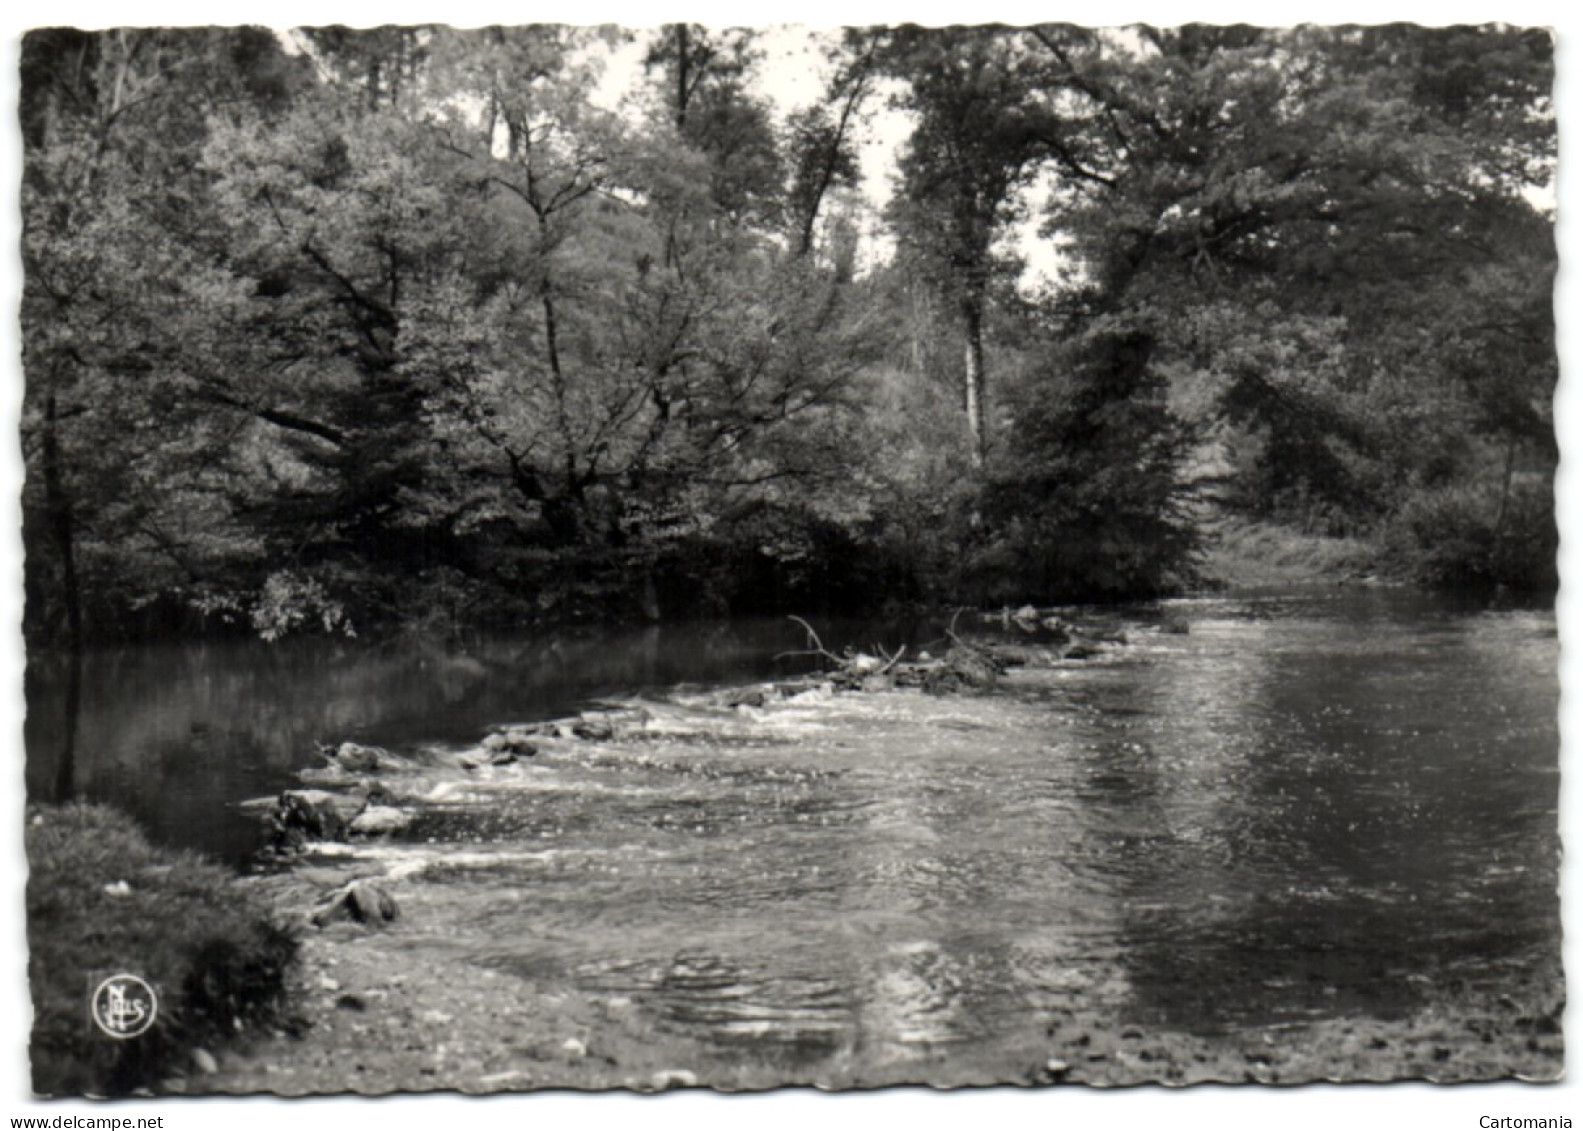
(1317, 1107)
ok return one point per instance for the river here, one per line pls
(1316, 807)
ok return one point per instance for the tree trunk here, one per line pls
(827, 166)
(681, 77)
(552, 349)
(65, 785)
(915, 343)
(973, 378)
(60, 522)
(649, 597)
(1506, 483)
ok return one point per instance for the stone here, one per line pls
(358, 759)
(203, 1060)
(672, 1078)
(964, 669)
(371, 903)
(593, 729)
(574, 1048)
(1005, 656)
(361, 901)
(1054, 631)
(314, 814)
(328, 775)
(510, 741)
(502, 758)
(512, 1076)
(380, 820)
(601, 726)
(745, 697)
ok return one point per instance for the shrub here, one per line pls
(1462, 537)
(187, 927)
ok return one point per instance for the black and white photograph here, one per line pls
(763, 555)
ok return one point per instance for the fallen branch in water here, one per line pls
(852, 665)
(818, 648)
(890, 661)
(950, 629)
(967, 666)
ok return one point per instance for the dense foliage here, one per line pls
(350, 329)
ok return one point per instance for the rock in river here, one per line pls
(357, 759)
(361, 901)
(745, 697)
(509, 742)
(307, 814)
(377, 820)
(601, 726)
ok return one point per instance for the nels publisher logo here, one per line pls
(123, 1006)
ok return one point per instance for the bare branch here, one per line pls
(818, 648)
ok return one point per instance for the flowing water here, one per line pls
(1313, 806)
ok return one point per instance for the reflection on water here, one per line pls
(178, 734)
(1316, 807)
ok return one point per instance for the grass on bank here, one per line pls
(1251, 554)
(1481, 538)
(102, 900)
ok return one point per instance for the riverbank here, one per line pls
(1059, 882)
(207, 960)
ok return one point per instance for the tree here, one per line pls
(631, 361)
(973, 148)
(401, 324)
(704, 92)
(1087, 502)
(1300, 219)
(822, 153)
(112, 193)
